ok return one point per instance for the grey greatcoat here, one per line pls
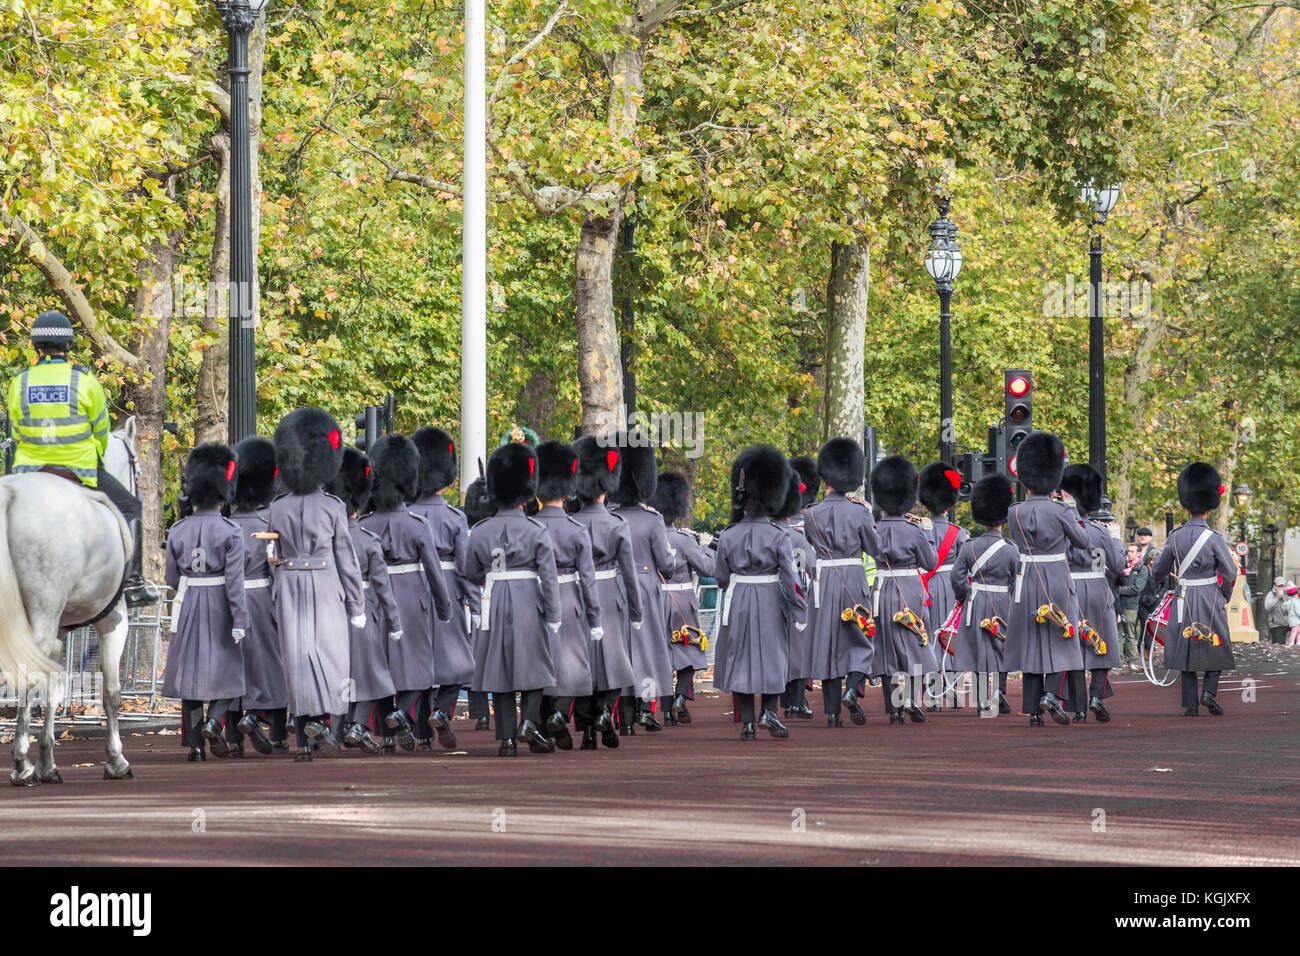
(368, 648)
(616, 593)
(1204, 604)
(942, 598)
(752, 656)
(415, 575)
(904, 550)
(264, 686)
(579, 605)
(512, 649)
(1091, 570)
(991, 597)
(203, 660)
(652, 664)
(453, 657)
(317, 588)
(840, 530)
(1043, 528)
(800, 662)
(681, 604)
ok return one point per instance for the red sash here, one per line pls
(945, 546)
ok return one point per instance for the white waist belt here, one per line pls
(567, 578)
(447, 565)
(744, 579)
(252, 584)
(1185, 583)
(890, 573)
(987, 589)
(607, 574)
(680, 586)
(1034, 559)
(829, 563)
(365, 585)
(1087, 575)
(492, 578)
(405, 568)
(185, 584)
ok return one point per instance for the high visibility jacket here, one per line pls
(59, 416)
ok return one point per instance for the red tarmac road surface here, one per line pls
(956, 790)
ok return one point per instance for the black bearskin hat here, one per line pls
(308, 450)
(477, 504)
(1200, 489)
(893, 485)
(670, 498)
(210, 475)
(841, 464)
(600, 466)
(557, 471)
(1084, 482)
(806, 469)
(794, 496)
(352, 483)
(396, 472)
(937, 487)
(512, 475)
(437, 460)
(760, 479)
(1039, 462)
(256, 475)
(640, 471)
(990, 500)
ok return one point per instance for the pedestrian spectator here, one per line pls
(1293, 613)
(1144, 543)
(1153, 591)
(1131, 589)
(1275, 609)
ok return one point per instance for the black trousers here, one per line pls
(831, 696)
(745, 706)
(125, 502)
(370, 714)
(444, 699)
(478, 704)
(192, 719)
(1100, 682)
(795, 693)
(587, 709)
(1277, 635)
(686, 683)
(1191, 698)
(507, 719)
(1035, 685)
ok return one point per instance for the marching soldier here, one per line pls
(793, 699)
(1198, 638)
(937, 491)
(476, 507)
(59, 416)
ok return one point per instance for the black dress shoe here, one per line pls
(747, 732)
(774, 726)
(589, 739)
(1081, 717)
(649, 722)
(558, 728)
(279, 746)
(303, 755)
(236, 749)
(405, 733)
(1098, 708)
(1191, 712)
(856, 713)
(483, 723)
(508, 748)
(251, 728)
(1212, 704)
(627, 731)
(605, 725)
(211, 731)
(1003, 707)
(323, 738)
(897, 718)
(801, 711)
(679, 709)
(833, 720)
(390, 745)
(1036, 720)
(440, 723)
(424, 744)
(670, 719)
(914, 713)
(196, 754)
(346, 740)
(1054, 709)
(358, 736)
(536, 740)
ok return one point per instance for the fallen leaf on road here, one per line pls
(1162, 769)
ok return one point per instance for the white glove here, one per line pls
(237, 633)
(475, 621)
(636, 625)
(597, 633)
(359, 621)
(394, 635)
(800, 627)
(706, 539)
(554, 626)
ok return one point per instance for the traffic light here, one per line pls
(376, 420)
(1018, 396)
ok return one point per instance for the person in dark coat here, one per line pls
(1206, 572)
(316, 580)
(600, 466)
(1092, 569)
(841, 530)
(510, 556)
(205, 567)
(372, 681)
(416, 577)
(755, 568)
(651, 658)
(1044, 530)
(477, 507)
(453, 655)
(794, 700)
(681, 602)
(904, 553)
(981, 579)
(937, 491)
(266, 697)
(806, 468)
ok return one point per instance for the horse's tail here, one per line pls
(21, 659)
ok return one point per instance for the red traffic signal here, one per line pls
(1018, 385)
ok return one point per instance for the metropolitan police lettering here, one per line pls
(47, 394)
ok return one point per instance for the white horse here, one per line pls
(63, 553)
(119, 457)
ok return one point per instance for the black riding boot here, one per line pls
(137, 591)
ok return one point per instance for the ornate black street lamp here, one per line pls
(943, 262)
(1100, 200)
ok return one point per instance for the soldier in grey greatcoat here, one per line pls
(937, 491)
(418, 582)
(476, 507)
(205, 567)
(600, 465)
(981, 579)
(1206, 572)
(316, 579)
(799, 666)
(1044, 530)
(755, 568)
(840, 530)
(266, 697)
(510, 556)
(1092, 569)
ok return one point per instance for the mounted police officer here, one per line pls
(60, 417)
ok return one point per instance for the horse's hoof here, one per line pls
(124, 775)
(31, 780)
(52, 777)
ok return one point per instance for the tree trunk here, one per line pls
(1136, 376)
(600, 375)
(846, 335)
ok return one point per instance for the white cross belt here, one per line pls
(744, 579)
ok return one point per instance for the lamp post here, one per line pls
(239, 17)
(1241, 496)
(943, 262)
(1100, 200)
